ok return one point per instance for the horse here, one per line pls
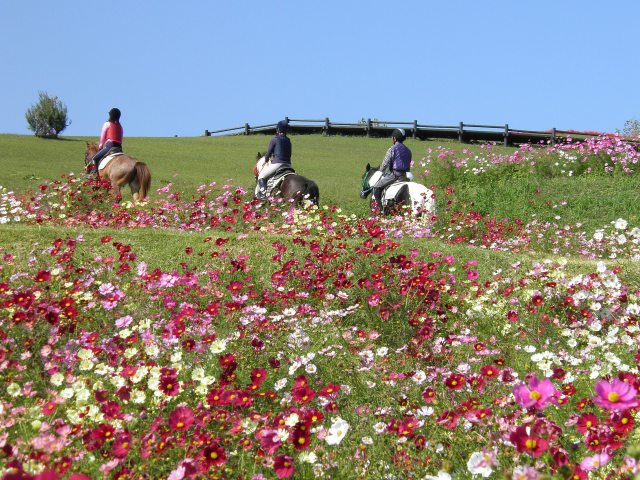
(400, 194)
(121, 170)
(292, 187)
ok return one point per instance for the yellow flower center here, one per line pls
(613, 397)
(531, 444)
(535, 395)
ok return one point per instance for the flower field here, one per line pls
(321, 342)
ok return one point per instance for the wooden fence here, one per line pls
(463, 132)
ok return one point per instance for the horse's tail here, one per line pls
(311, 191)
(143, 176)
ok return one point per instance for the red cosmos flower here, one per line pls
(128, 371)
(595, 441)
(476, 381)
(420, 442)
(529, 443)
(490, 371)
(217, 397)
(103, 432)
(429, 395)
(587, 422)
(283, 466)
(512, 316)
(302, 394)
(455, 381)
(300, 438)
(329, 390)
(214, 454)
(169, 385)
(313, 416)
(623, 422)
(49, 407)
(43, 276)
(121, 445)
(537, 300)
(23, 299)
(269, 440)
(242, 399)
(258, 375)
(301, 381)
(212, 308)
(181, 418)
(406, 427)
(448, 419)
(106, 239)
(235, 286)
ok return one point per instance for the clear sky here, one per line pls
(180, 67)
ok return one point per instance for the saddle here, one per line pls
(274, 181)
(111, 154)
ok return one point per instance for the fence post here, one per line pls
(553, 136)
(461, 132)
(368, 127)
(506, 134)
(207, 133)
(326, 126)
(246, 129)
(415, 128)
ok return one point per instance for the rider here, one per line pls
(395, 165)
(278, 155)
(110, 137)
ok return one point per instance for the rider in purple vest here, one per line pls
(278, 154)
(396, 164)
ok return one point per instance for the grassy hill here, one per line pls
(202, 334)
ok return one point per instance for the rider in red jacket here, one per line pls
(110, 137)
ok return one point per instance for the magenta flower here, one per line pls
(616, 395)
(538, 394)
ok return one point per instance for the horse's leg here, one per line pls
(134, 185)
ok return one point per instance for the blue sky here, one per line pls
(180, 67)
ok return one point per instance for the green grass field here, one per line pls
(336, 163)
(359, 303)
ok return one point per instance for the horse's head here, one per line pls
(260, 161)
(366, 181)
(92, 149)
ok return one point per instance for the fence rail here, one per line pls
(463, 132)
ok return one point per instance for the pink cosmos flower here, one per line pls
(596, 461)
(616, 395)
(538, 394)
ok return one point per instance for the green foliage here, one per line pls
(48, 117)
(631, 128)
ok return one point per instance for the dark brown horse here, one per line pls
(120, 171)
(293, 187)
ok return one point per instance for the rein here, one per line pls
(366, 188)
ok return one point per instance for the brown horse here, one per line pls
(293, 187)
(120, 171)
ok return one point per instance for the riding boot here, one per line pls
(262, 189)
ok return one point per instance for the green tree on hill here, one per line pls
(48, 117)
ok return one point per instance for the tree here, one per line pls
(631, 128)
(48, 117)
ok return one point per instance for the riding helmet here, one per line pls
(399, 134)
(283, 126)
(114, 115)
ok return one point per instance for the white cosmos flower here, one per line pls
(442, 475)
(620, 224)
(337, 431)
(379, 427)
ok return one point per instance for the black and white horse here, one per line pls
(406, 194)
